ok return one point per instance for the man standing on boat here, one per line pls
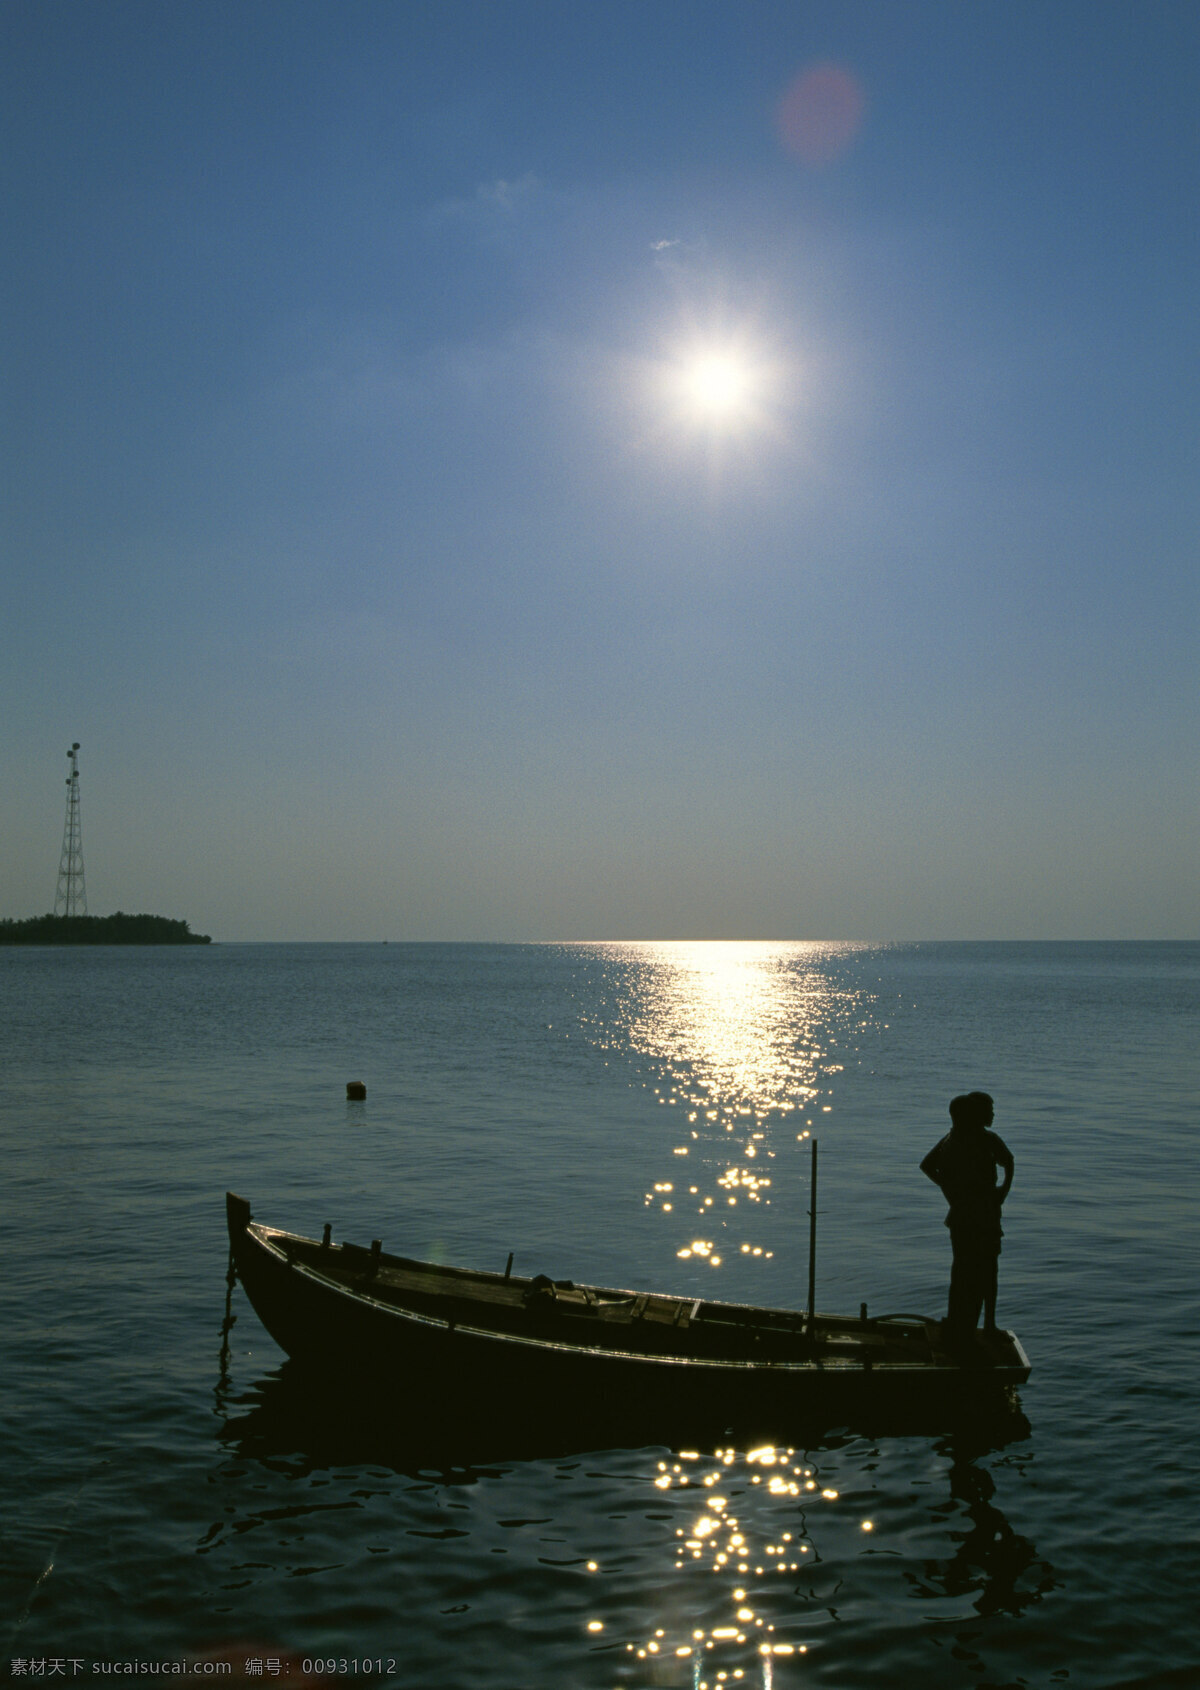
(964, 1166)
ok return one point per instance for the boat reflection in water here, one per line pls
(702, 1553)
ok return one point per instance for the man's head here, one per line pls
(972, 1109)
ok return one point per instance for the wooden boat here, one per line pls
(469, 1335)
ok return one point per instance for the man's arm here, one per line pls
(931, 1167)
(1004, 1160)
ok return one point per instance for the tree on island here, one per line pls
(119, 929)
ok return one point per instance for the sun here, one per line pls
(719, 384)
(727, 391)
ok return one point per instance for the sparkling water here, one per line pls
(629, 1114)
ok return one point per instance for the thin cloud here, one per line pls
(494, 205)
(509, 196)
(674, 257)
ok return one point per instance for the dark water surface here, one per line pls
(629, 1114)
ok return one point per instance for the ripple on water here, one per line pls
(535, 1098)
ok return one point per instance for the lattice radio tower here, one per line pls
(71, 897)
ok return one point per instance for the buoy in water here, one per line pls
(356, 1091)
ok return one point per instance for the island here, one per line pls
(119, 929)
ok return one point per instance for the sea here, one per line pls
(176, 1500)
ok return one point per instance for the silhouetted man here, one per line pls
(964, 1165)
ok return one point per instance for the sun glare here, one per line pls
(718, 384)
(727, 391)
(720, 388)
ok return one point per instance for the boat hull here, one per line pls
(345, 1330)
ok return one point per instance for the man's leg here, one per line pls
(991, 1273)
(967, 1287)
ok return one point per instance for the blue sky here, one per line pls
(365, 523)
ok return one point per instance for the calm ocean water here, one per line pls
(631, 1114)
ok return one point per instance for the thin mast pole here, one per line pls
(812, 1239)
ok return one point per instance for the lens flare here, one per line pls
(820, 113)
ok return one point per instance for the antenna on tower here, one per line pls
(71, 896)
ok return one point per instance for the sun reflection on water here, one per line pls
(755, 1527)
(743, 1041)
(757, 1545)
